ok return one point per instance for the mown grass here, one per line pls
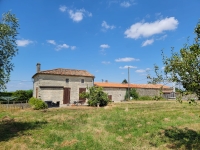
(136, 125)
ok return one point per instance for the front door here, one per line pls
(66, 96)
(80, 91)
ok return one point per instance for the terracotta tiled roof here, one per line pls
(120, 85)
(66, 72)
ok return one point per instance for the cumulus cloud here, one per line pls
(62, 8)
(126, 67)
(146, 29)
(23, 43)
(106, 26)
(76, 15)
(62, 46)
(51, 42)
(105, 62)
(142, 70)
(73, 47)
(127, 4)
(126, 59)
(103, 46)
(147, 42)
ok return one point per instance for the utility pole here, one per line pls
(128, 85)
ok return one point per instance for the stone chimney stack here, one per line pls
(38, 67)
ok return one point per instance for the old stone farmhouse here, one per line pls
(61, 86)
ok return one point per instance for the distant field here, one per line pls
(138, 125)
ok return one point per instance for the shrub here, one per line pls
(96, 95)
(37, 103)
(133, 94)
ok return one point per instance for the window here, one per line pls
(67, 80)
(82, 80)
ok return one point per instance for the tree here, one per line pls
(8, 47)
(183, 67)
(124, 81)
(95, 95)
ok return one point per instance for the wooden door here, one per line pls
(66, 96)
(110, 97)
(80, 91)
(36, 92)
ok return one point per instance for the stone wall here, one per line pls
(148, 92)
(118, 94)
(56, 93)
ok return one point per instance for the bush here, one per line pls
(37, 103)
(95, 96)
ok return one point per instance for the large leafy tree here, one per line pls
(183, 67)
(8, 47)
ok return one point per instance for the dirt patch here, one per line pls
(69, 143)
(7, 119)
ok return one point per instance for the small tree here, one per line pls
(133, 93)
(8, 46)
(124, 81)
(95, 95)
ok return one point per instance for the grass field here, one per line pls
(138, 125)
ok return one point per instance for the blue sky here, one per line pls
(103, 37)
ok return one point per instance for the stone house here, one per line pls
(61, 86)
(117, 91)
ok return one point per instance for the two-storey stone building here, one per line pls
(61, 86)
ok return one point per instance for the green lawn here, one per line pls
(138, 125)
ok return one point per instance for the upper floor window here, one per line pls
(82, 80)
(67, 80)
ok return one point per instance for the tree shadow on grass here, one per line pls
(9, 128)
(182, 138)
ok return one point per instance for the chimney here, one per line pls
(38, 67)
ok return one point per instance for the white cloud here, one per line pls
(73, 47)
(126, 59)
(51, 42)
(142, 70)
(62, 8)
(147, 42)
(126, 67)
(125, 4)
(106, 26)
(145, 29)
(60, 46)
(63, 46)
(103, 46)
(162, 37)
(78, 15)
(105, 62)
(23, 43)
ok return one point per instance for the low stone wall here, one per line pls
(14, 105)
